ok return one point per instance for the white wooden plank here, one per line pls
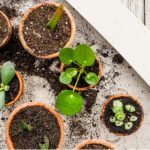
(147, 13)
(136, 7)
(121, 29)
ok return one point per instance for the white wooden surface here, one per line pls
(136, 6)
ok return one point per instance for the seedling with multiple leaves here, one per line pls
(119, 119)
(55, 18)
(25, 127)
(7, 74)
(69, 102)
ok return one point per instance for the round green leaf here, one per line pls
(2, 99)
(71, 72)
(66, 55)
(7, 72)
(69, 103)
(84, 55)
(91, 78)
(64, 78)
(120, 116)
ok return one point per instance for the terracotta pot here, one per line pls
(9, 30)
(88, 87)
(94, 141)
(30, 104)
(21, 86)
(118, 96)
(25, 16)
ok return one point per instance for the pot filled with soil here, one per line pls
(122, 114)
(95, 68)
(5, 29)
(11, 85)
(80, 67)
(46, 28)
(34, 125)
(95, 144)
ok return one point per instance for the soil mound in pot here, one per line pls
(95, 146)
(120, 130)
(43, 124)
(3, 28)
(40, 38)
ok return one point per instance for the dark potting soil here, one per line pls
(40, 38)
(13, 89)
(43, 124)
(118, 59)
(10, 12)
(108, 113)
(3, 28)
(95, 146)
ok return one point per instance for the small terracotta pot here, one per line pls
(119, 96)
(5, 41)
(88, 87)
(25, 16)
(30, 104)
(21, 86)
(94, 141)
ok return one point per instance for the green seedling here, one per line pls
(128, 125)
(45, 145)
(69, 102)
(119, 118)
(7, 74)
(25, 127)
(55, 18)
(133, 118)
(130, 108)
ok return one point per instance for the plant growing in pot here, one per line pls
(11, 85)
(80, 66)
(34, 125)
(46, 28)
(122, 114)
(5, 29)
(95, 144)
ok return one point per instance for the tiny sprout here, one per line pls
(133, 118)
(55, 18)
(128, 125)
(24, 126)
(45, 145)
(112, 119)
(6, 88)
(118, 123)
(120, 116)
(130, 108)
(117, 103)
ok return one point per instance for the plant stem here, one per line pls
(77, 64)
(85, 72)
(80, 72)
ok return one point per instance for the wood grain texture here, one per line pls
(137, 7)
(147, 13)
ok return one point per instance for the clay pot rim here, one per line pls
(32, 104)
(87, 87)
(25, 16)
(118, 96)
(21, 86)
(9, 26)
(95, 141)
